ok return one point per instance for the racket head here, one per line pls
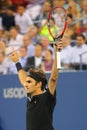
(57, 22)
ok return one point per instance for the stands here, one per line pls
(33, 20)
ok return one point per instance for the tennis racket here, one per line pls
(56, 26)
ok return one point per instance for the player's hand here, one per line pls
(14, 56)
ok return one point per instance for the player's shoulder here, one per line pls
(47, 93)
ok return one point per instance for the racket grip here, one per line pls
(58, 60)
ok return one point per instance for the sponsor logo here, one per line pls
(14, 93)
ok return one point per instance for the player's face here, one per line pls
(31, 85)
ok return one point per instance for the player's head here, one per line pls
(35, 81)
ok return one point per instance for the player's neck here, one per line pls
(38, 92)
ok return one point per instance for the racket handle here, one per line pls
(58, 60)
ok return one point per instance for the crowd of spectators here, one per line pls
(23, 27)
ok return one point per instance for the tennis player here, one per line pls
(41, 99)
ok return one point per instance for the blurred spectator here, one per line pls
(73, 10)
(15, 41)
(66, 52)
(48, 61)
(8, 18)
(36, 1)
(3, 46)
(33, 34)
(71, 27)
(3, 36)
(22, 19)
(85, 35)
(18, 2)
(23, 58)
(43, 31)
(2, 11)
(59, 3)
(84, 16)
(27, 42)
(1, 17)
(43, 13)
(4, 64)
(4, 3)
(36, 60)
(80, 50)
(46, 45)
(66, 6)
(34, 11)
(1, 25)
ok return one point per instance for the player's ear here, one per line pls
(39, 84)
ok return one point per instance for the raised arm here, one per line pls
(21, 73)
(54, 74)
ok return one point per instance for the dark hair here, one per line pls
(50, 51)
(12, 8)
(21, 5)
(70, 16)
(38, 44)
(81, 35)
(16, 27)
(23, 47)
(38, 75)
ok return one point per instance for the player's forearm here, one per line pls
(54, 74)
(22, 76)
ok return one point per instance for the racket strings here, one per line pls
(59, 17)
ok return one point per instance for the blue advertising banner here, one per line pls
(71, 108)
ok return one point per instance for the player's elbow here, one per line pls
(54, 78)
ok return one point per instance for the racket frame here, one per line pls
(57, 38)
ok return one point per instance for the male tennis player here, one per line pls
(40, 100)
